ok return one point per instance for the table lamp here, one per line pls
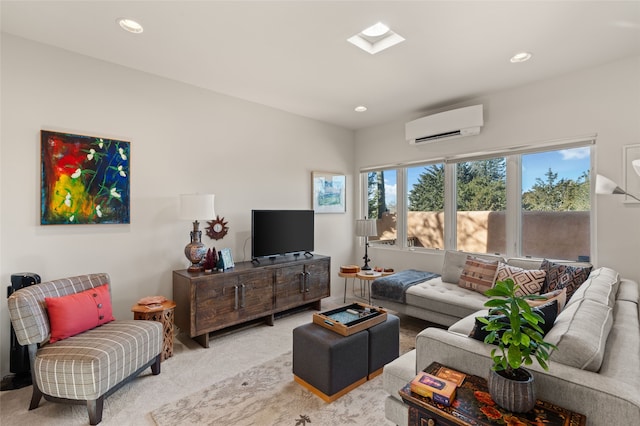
(194, 207)
(366, 228)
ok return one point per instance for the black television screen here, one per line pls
(277, 232)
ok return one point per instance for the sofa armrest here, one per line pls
(602, 399)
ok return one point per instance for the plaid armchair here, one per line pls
(85, 368)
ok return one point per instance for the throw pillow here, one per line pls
(559, 295)
(75, 313)
(548, 311)
(478, 275)
(529, 280)
(561, 276)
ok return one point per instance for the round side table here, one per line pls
(163, 314)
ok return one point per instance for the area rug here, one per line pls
(267, 395)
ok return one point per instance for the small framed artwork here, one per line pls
(84, 179)
(227, 258)
(631, 177)
(328, 191)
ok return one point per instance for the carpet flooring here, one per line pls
(193, 371)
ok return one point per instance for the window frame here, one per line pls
(513, 225)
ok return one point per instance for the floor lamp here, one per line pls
(606, 186)
(366, 228)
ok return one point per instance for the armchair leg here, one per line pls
(155, 367)
(94, 407)
(36, 396)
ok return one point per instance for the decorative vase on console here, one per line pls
(514, 327)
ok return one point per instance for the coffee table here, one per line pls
(473, 406)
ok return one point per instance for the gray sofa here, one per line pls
(594, 371)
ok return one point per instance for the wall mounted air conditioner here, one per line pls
(445, 125)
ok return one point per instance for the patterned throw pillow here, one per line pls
(529, 280)
(559, 295)
(548, 311)
(563, 276)
(478, 275)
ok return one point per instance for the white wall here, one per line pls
(604, 100)
(183, 140)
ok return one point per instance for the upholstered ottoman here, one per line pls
(384, 344)
(327, 363)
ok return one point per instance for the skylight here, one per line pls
(376, 38)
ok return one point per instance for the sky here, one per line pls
(567, 163)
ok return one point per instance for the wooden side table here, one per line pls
(346, 276)
(473, 406)
(163, 314)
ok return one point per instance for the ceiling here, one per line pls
(294, 55)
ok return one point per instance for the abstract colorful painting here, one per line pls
(85, 179)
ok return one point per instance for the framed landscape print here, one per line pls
(328, 192)
(84, 179)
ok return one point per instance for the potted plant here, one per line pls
(514, 327)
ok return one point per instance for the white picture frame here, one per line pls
(227, 258)
(328, 192)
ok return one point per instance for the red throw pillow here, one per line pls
(75, 313)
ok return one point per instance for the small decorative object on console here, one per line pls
(217, 229)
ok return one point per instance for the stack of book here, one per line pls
(441, 387)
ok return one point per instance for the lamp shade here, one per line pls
(197, 206)
(604, 185)
(366, 228)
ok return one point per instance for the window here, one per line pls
(382, 204)
(425, 206)
(517, 203)
(481, 204)
(556, 204)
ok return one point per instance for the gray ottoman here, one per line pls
(327, 363)
(384, 344)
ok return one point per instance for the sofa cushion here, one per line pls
(478, 274)
(601, 286)
(563, 276)
(72, 314)
(529, 280)
(445, 298)
(108, 354)
(580, 333)
(454, 264)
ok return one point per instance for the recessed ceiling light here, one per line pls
(376, 30)
(130, 25)
(360, 108)
(520, 57)
(375, 38)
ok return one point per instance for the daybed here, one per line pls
(594, 371)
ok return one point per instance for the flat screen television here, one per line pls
(279, 232)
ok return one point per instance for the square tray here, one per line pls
(345, 323)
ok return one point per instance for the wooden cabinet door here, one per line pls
(290, 286)
(317, 279)
(216, 302)
(255, 293)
